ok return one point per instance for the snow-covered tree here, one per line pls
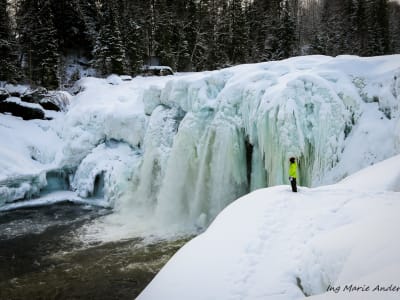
(109, 52)
(285, 32)
(9, 70)
(123, 35)
(378, 29)
(238, 40)
(133, 33)
(39, 43)
(89, 14)
(394, 26)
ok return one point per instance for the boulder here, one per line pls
(15, 94)
(20, 110)
(49, 106)
(57, 101)
(3, 94)
(34, 96)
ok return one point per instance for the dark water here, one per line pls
(42, 258)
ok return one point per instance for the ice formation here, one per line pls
(321, 243)
(183, 147)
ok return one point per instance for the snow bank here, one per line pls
(28, 149)
(275, 244)
(380, 177)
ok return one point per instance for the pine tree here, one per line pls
(8, 48)
(378, 31)
(394, 26)
(185, 32)
(219, 54)
(109, 53)
(38, 38)
(200, 34)
(166, 33)
(70, 25)
(264, 29)
(133, 28)
(356, 26)
(329, 38)
(237, 51)
(190, 34)
(285, 33)
(89, 14)
(192, 37)
(257, 30)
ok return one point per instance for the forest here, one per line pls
(38, 38)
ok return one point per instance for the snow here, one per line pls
(53, 198)
(379, 177)
(275, 244)
(158, 68)
(28, 149)
(171, 152)
(16, 88)
(22, 103)
(61, 99)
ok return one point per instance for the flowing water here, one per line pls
(42, 257)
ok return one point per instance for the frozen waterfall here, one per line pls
(176, 150)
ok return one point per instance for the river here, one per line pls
(42, 257)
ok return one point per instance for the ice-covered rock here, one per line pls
(58, 101)
(33, 95)
(106, 172)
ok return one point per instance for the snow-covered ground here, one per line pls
(331, 242)
(169, 153)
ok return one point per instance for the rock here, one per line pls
(15, 94)
(114, 79)
(34, 96)
(126, 77)
(57, 101)
(18, 110)
(3, 94)
(49, 106)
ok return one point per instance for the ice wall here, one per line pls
(241, 125)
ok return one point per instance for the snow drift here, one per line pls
(178, 149)
(330, 242)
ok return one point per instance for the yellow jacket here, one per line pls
(293, 170)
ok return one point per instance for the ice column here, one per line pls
(205, 172)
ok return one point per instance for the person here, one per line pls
(293, 174)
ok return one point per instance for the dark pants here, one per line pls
(294, 185)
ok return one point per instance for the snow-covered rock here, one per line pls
(18, 108)
(106, 172)
(4, 94)
(28, 149)
(58, 101)
(273, 244)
